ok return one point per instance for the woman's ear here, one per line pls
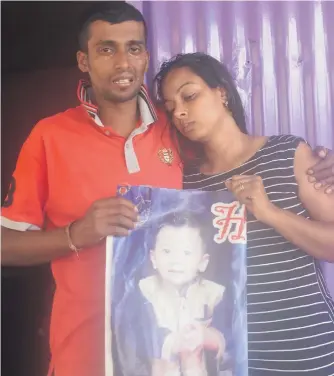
(222, 92)
(223, 96)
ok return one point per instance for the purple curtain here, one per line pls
(281, 54)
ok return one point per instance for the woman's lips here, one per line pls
(187, 126)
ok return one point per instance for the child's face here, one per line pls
(179, 255)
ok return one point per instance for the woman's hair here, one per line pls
(216, 75)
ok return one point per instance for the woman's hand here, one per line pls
(249, 190)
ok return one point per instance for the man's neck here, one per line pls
(121, 117)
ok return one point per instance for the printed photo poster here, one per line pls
(176, 286)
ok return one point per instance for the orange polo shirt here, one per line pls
(69, 161)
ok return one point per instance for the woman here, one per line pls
(290, 312)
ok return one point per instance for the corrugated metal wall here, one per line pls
(281, 53)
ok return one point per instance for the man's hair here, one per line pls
(113, 12)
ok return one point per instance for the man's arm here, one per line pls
(23, 241)
(23, 248)
(113, 216)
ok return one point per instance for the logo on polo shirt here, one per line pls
(166, 156)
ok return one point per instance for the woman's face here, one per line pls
(196, 110)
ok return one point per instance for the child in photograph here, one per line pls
(183, 301)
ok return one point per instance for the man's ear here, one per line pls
(147, 61)
(82, 59)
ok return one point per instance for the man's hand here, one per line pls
(112, 216)
(322, 174)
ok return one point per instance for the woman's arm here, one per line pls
(315, 236)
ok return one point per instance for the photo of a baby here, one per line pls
(183, 301)
(177, 301)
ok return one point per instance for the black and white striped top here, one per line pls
(290, 312)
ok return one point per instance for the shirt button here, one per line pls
(127, 146)
(107, 133)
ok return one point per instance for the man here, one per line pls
(66, 176)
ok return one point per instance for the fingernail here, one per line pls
(311, 172)
(329, 190)
(317, 185)
(322, 154)
(136, 209)
(311, 179)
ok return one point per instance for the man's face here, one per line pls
(117, 59)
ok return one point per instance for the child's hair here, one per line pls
(177, 219)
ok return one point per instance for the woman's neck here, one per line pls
(228, 149)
